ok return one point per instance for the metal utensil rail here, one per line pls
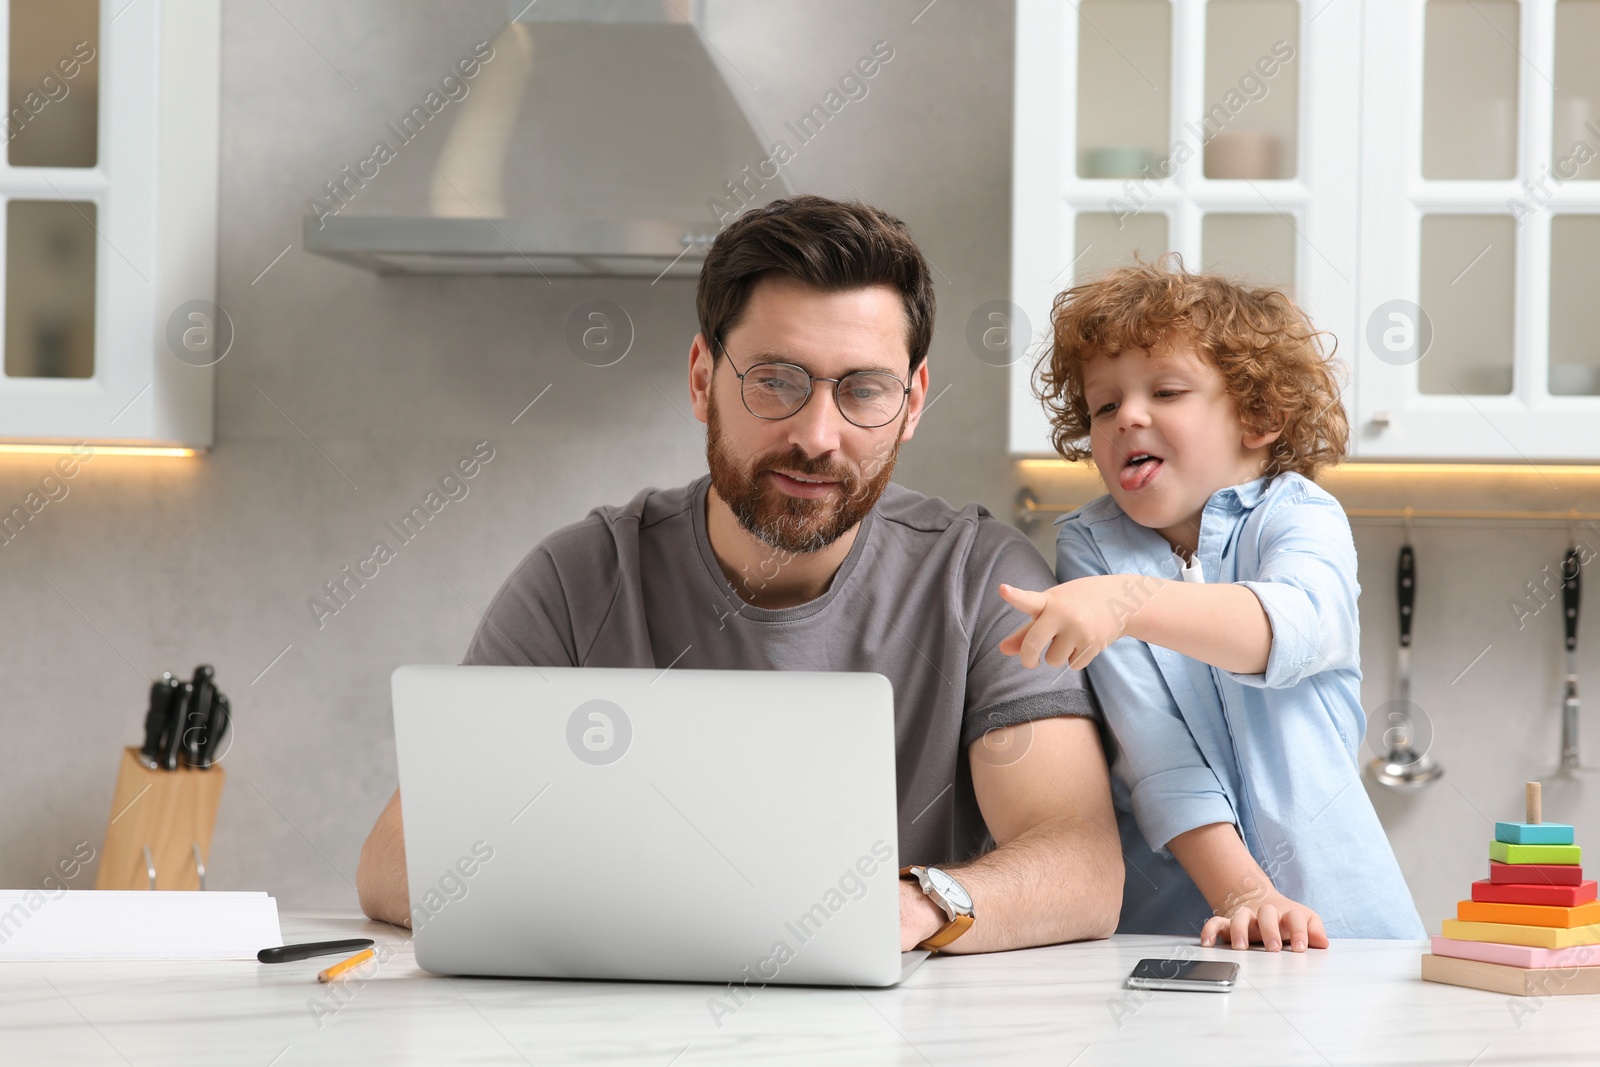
(1027, 509)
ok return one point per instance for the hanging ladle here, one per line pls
(1402, 767)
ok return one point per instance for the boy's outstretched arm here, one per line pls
(1248, 907)
(1221, 624)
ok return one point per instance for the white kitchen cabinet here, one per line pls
(1478, 208)
(1436, 206)
(109, 227)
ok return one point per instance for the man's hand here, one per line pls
(381, 872)
(920, 917)
(1055, 873)
(1075, 621)
(1270, 921)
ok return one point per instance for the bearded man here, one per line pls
(796, 552)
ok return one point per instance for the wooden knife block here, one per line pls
(171, 812)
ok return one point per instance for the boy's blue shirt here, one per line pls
(1276, 753)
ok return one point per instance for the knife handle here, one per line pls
(1569, 597)
(197, 715)
(1405, 591)
(173, 741)
(216, 730)
(156, 719)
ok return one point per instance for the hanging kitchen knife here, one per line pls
(1569, 704)
(158, 719)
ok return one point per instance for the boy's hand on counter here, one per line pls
(1271, 921)
(1070, 624)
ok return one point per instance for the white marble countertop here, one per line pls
(1360, 1002)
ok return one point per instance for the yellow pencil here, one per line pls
(346, 965)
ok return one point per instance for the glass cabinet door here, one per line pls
(49, 293)
(1422, 175)
(1256, 248)
(1468, 284)
(1183, 126)
(1574, 365)
(1469, 89)
(1252, 89)
(52, 120)
(1574, 368)
(109, 184)
(1479, 228)
(1124, 86)
(1104, 240)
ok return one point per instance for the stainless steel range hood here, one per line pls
(598, 138)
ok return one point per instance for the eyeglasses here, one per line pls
(866, 398)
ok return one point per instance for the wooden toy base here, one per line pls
(1514, 981)
(168, 811)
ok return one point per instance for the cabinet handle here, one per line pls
(1381, 420)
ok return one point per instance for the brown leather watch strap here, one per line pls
(952, 930)
(946, 933)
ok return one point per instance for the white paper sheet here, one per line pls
(89, 924)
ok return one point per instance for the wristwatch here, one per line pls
(952, 899)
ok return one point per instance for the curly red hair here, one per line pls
(1270, 355)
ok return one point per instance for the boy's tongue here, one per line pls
(1138, 475)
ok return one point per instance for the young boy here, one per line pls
(1234, 704)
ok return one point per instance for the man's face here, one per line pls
(800, 483)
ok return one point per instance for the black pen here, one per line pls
(290, 953)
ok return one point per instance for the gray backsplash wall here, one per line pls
(347, 397)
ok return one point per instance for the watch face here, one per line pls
(949, 888)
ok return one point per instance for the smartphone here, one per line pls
(1204, 976)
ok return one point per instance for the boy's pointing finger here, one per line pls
(1012, 644)
(1023, 599)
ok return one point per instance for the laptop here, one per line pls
(731, 827)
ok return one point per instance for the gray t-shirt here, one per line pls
(916, 600)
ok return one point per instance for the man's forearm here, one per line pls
(1058, 881)
(381, 872)
(1222, 624)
